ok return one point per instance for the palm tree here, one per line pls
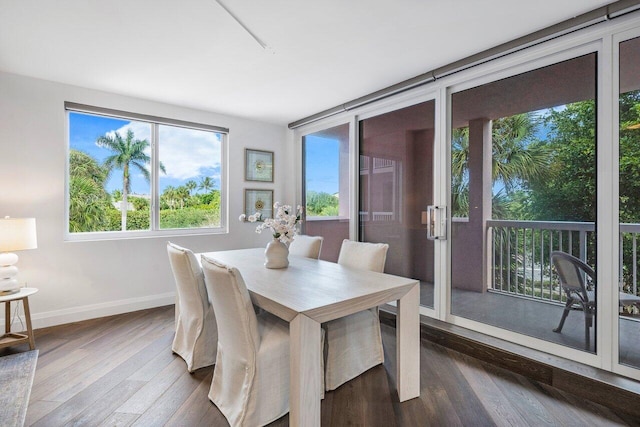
(127, 152)
(190, 185)
(206, 184)
(182, 194)
(169, 196)
(516, 158)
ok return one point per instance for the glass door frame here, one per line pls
(299, 134)
(408, 99)
(532, 59)
(613, 42)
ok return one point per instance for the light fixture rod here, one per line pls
(256, 38)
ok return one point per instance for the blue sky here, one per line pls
(322, 164)
(186, 153)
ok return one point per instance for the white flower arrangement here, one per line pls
(283, 226)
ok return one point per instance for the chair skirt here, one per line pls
(255, 394)
(354, 345)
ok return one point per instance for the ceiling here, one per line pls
(319, 54)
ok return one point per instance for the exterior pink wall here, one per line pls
(334, 232)
(468, 257)
(406, 138)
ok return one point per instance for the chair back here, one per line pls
(237, 323)
(189, 279)
(306, 246)
(571, 271)
(363, 255)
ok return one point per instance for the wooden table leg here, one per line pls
(304, 393)
(408, 345)
(27, 316)
(7, 317)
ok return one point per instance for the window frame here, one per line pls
(154, 221)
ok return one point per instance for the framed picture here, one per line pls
(258, 165)
(258, 201)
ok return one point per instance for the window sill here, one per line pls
(119, 235)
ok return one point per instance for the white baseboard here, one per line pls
(92, 311)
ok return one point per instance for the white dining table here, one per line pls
(309, 292)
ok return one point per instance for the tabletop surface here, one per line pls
(23, 292)
(322, 290)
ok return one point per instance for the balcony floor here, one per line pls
(536, 319)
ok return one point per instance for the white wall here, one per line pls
(80, 280)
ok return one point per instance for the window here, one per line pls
(133, 174)
(326, 187)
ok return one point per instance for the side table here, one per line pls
(12, 338)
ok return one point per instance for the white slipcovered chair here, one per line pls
(196, 338)
(306, 246)
(251, 379)
(354, 342)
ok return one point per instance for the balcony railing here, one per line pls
(520, 253)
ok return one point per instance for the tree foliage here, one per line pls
(567, 192)
(88, 200)
(322, 204)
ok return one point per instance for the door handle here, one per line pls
(436, 222)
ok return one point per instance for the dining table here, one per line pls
(309, 292)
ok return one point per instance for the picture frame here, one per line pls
(258, 201)
(258, 165)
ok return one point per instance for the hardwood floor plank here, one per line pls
(153, 389)
(363, 401)
(106, 406)
(168, 403)
(157, 364)
(488, 391)
(194, 410)
(39, 409)
(95, 365)
(60, 364)
(119, 420)
(558, 406)
(438, 408)
(88, 396)
(96, 370)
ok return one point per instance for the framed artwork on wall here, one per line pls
(258, 201)
(258, 165)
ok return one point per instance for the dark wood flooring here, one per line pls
(119, 371)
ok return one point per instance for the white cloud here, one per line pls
(185, 153)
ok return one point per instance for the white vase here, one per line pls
(276, 255)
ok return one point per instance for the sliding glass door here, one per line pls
(396, 161)
(629, 203)
(523, 191)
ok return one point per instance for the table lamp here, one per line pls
(16, 234)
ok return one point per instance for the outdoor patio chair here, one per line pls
(573, 273)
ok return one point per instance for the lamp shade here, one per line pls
(17, 234)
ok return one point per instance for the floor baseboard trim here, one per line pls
(93, 311)
(599, 386)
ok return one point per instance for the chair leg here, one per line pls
(565, 313)
(587, 330)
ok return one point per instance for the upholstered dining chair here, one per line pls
(354, 342)
(306, 246)
(251, 379)
(196, 337)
